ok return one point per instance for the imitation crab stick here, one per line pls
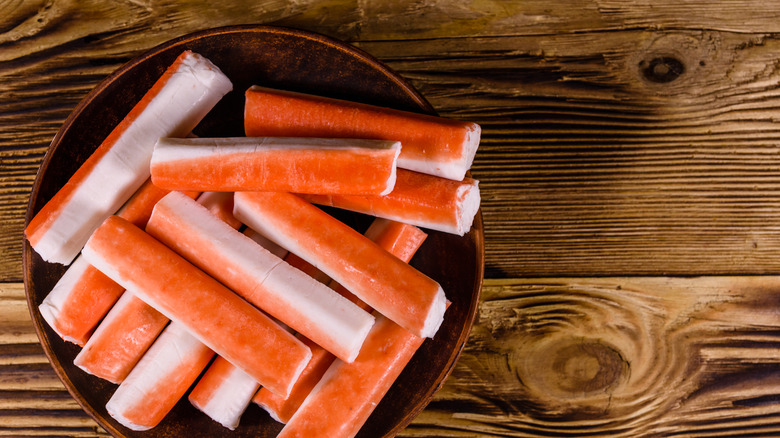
(399, 239)
(286, 293)
(418, 199)
(347, 394)
(83, 295)
(224, 392)
(384, 282)
(430, 144)
(121, 339)
(215, 315)
(160, 379)
(174, 105)
(303, 165)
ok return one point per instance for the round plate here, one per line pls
(278, 58)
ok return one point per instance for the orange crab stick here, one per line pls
(263, 279)
(160, 379)
(174, 105)
(354, 166)
(384, 282)
(399, 239)
(214, 314)
(430, 144)
(347, 394)
(224, 392)
(418, 199)
(83, 296)
(121, 339)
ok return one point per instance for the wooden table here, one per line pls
(630, 174)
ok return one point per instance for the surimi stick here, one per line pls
(387, 284)
(79, 300)
(238, 331)
(435, 145)
(83, 296)
(399, 239)
(121, 339)
(224, 392)
(303, 165)
(418, 199)
(263, 279)
(160, 379)
(220, 204)
(347, 394)
(174, 105)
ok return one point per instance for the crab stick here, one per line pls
(303, 165)
(384, 282)
(83, 295)
(286, 293)
(121, 339)
(160, 379)
(430, 144)
(347, 394)
(214, 314)
(418, 199)
(224, 392)
(174, 105)
(399, 239)
(220, 204)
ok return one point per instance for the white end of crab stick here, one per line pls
(419, 199)
(83, 295)
(174, 105)
(284, 164)
(215, 315)
(220, 204)
(79, 300)
(384, 282)
(224, 392)
(401, 240)
(430, 144)
(347, 393)
(284, 292)
(160, 379)
(121, 339)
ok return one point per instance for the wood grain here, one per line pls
(616, 357)
(590, 163)
(638, 356)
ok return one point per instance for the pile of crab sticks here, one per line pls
(204, 266)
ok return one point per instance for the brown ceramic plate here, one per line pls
(286, 59)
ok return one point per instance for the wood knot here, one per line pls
(586, 367)
(662, 69)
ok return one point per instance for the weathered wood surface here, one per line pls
(620, 139)
(591, 164)
(638, 356)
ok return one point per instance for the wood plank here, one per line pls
(589, 164)
(618, 357)
(590, 168)
(626, 356)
